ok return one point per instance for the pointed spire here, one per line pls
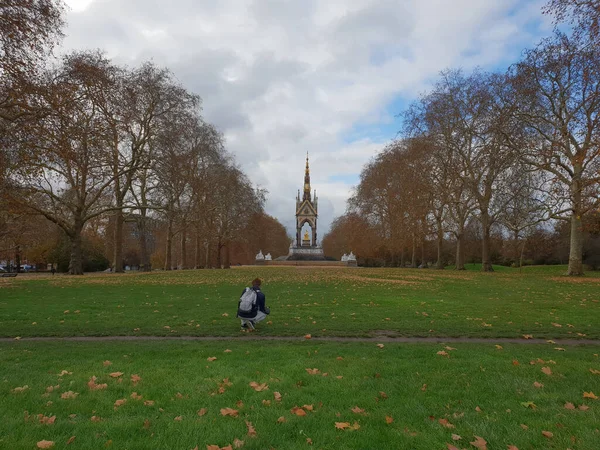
(306, 181)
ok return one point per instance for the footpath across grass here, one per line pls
(283, 395)
(537, 301)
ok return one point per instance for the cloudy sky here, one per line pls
(283, 77)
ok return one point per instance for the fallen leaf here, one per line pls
(456, 437)
(258, 387)
(135, 378)
(342, 425)
(569, 405)
(590, 395)
(147, 424)
(383, 395)
(229, 351)
(445, 423)
(178, 419)
(595, 372)
(281, 420)
(298, 411)
(357, 410)
(424, 387)
(499, 347)
(211, 358)
(94, 386)
(529, 405)
(380, 345)
(547, 370)
(69, 395)
(202, 411)
(443, 353)
(313, 371)
(266, 402)
(525, 427)
(538, 385)
(451, 447)
(135, 396)
(527, 336)
(547, 434)
(45, 444)
(478, 409)
(560, 349)
(96, 419)
(106, 363)
(340, 358)
(583, 407)
(116, 374)
(120, 402)
(71, 439)
(479, 442)
(229, 412)
(18, 390)
(237, 443)
(251, 429)
(64, 372)
(45, 420)
(148, 402)
(515, 362)
(449, 348)
(307, 336)
(389, 419)
(277, 396)
(308, 407)
(512, 447)
(309, 441)
(211, 447)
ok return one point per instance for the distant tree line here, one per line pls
(106, 153)
(489, 156)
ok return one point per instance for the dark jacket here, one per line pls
(258, 306)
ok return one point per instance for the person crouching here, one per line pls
(251, 307)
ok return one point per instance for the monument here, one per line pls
(305, 247)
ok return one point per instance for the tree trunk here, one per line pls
(414, 254)
(219, 247)
(522, 252)
(460, 258)
(183, 247)
(197, 249)
(118, 242)
(144, 259)
(207, 255)
(76, 262)
(576, 244)
(486, 264)
(227, 262)
(402, 257)
(168, 255)
(440, 244)
(423, 264)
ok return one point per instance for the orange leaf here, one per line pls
(298, 411)
(277, 396)
(527, 336)
(380, 345)
(212, 447)
(547, 370)
(135, 378)
(456, 437)
(443, 353)
(569, 405)
(106, 363)
(116, 374)
(211, 358)
(228, 351)
(308, 407)
(452, 447)
(309, 441)
(583, 407)
(313, 371)
(512, 447)
(71, 439)
(538, 385)
(357, 410)
(237, 443)
(135, 396)
(69, 395)
(266, 402)
(148, 402)
(547, 434)
(479, 442)
(595, 372)
(590, 395)
(342, 425)
(45, 444)
(96, 387)
(258, 387)
(445, 423)
(95, 419)
(281, 420)
(229, 412)
(202, 411)
(120, 402)
(307, 336)
(389, 419)
(178, 419)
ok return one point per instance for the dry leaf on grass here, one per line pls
(45, 444)
(71, 439)
(298, 411)
(94, 386)
(18, 390)
(443, 353)
(307, 336)
(389, 419)
(135, 378)
(445, 423)
(547, 370)
(281, 420)
(258, 387)
(547, 434)
(202, 411)
(211, 358)
(106, 363)
(590, 395)
(479, 442)
(357, 410)
(251, 429)
(69, 395)
(135, 396)
(120, 402)
(277, 396)
(380, 345)
(538, 385)
(313, 371)
(229, 412)
(116, 374)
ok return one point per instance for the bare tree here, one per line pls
(557, 89)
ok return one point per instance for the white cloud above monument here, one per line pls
(280, 78)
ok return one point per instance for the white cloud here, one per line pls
(282, 77)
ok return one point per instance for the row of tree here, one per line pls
(511, 150)
(85, 141)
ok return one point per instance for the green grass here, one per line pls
(322, 302)
(180, 380)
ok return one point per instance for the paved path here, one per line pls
(257, 337)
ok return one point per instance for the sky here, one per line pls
(280, 78)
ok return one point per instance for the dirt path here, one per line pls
(257, 337)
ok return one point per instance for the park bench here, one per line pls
(9, 275)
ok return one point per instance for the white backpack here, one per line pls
(247, 300)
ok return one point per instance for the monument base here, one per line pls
(306, 254)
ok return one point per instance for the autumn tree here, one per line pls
(557, 93)
(61, 169)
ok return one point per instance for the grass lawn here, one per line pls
(539, 301)
(477, 390)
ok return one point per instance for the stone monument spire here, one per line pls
(306, 181)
